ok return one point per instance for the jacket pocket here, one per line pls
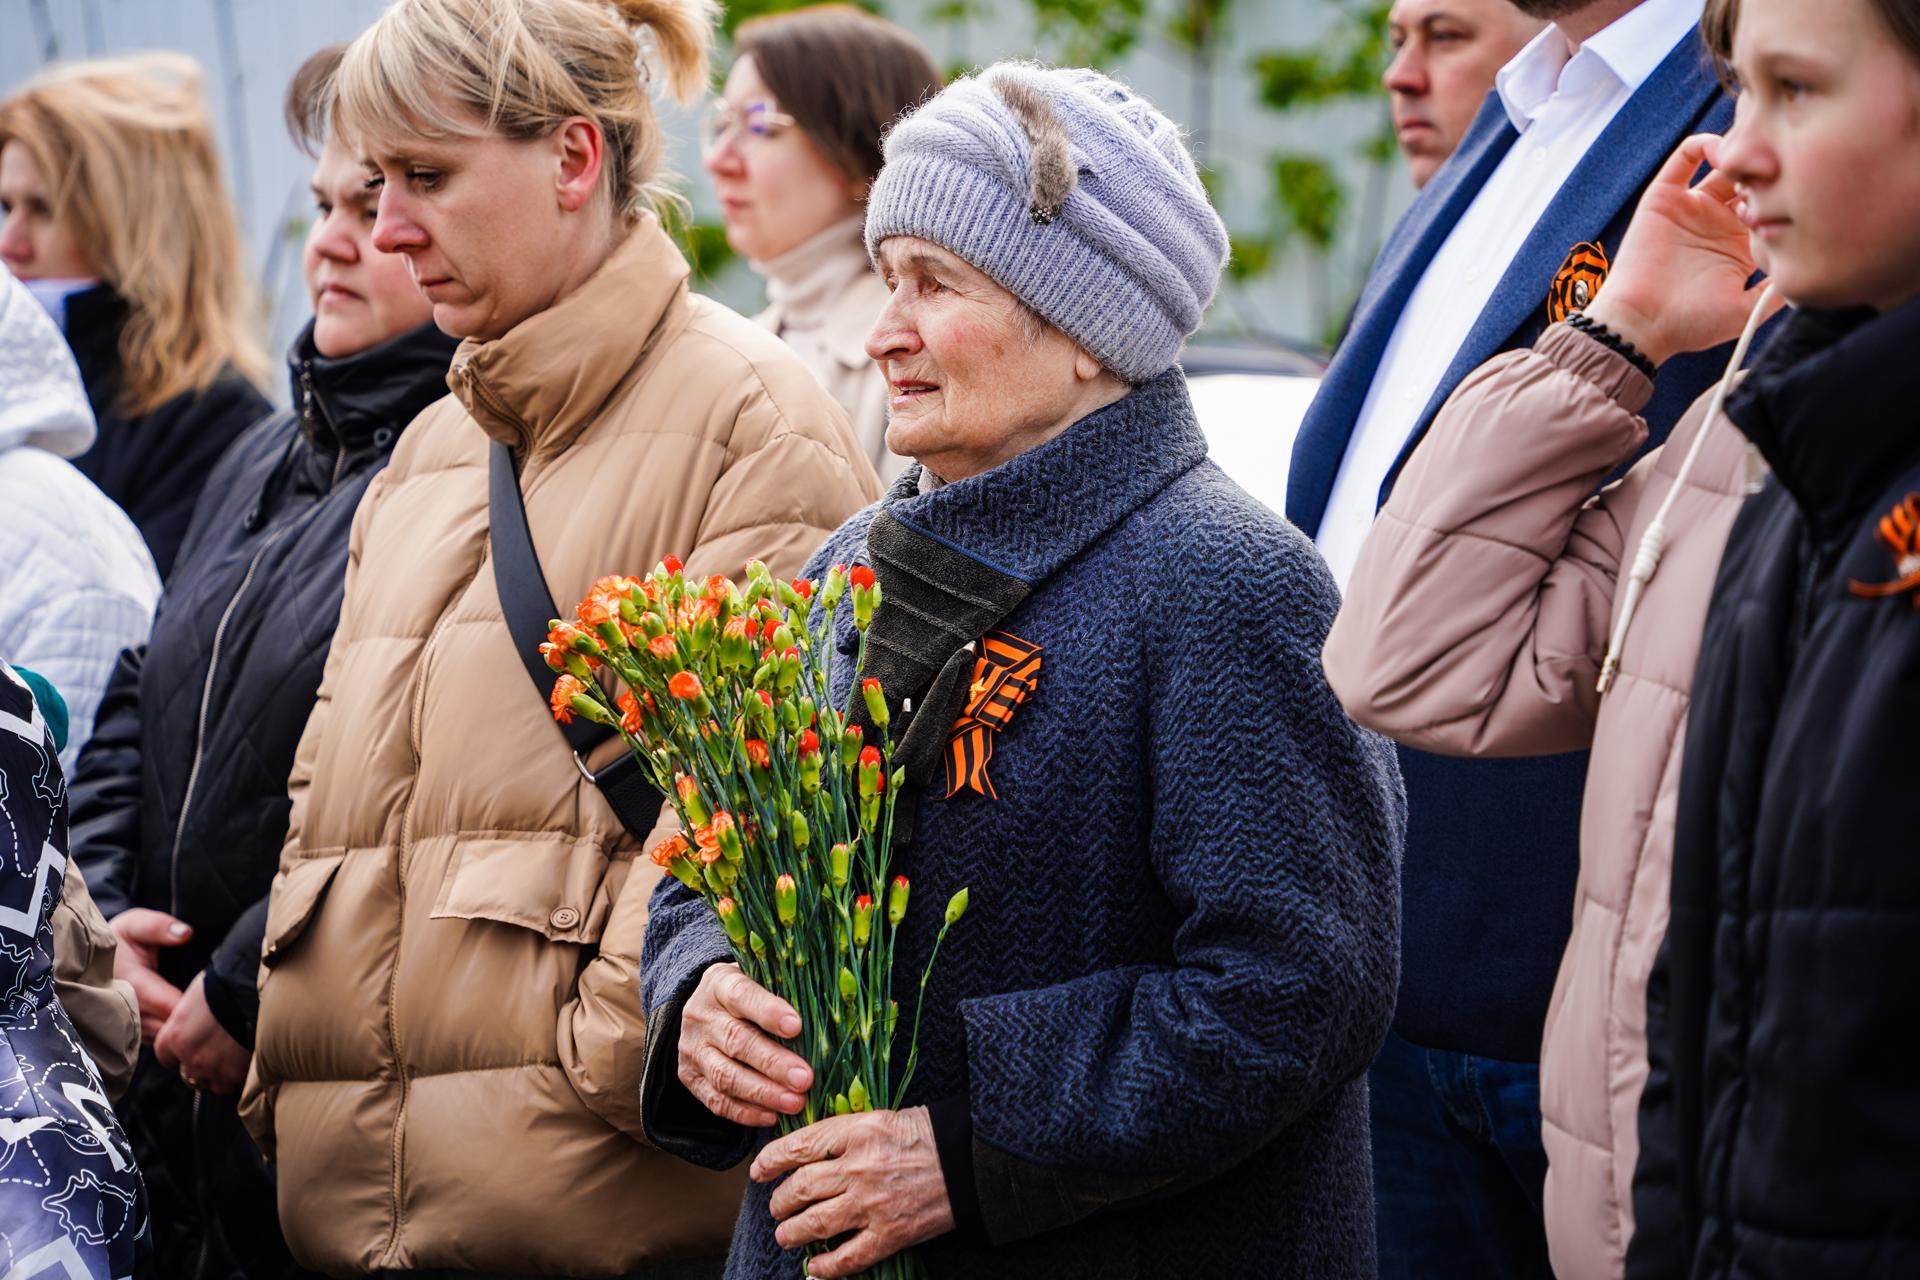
(553, 886)
(296, 899)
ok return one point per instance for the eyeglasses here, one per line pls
(756, 121)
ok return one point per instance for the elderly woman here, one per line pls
(446, 1061)
(1143, 1048)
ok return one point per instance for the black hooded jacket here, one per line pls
(154, 465)
(180, 799)
(1780, 1127)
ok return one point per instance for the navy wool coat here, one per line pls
(1144, 1046)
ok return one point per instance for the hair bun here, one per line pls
(682, 37)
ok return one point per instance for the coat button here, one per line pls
(564, 918)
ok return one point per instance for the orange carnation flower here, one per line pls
(685, 686)
(565, 689)
(667, 850)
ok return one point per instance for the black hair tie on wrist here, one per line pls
(1611, 340)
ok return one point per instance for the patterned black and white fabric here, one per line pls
(71, 1207)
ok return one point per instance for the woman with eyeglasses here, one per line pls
(793, 153)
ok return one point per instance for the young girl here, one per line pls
(1493, 594)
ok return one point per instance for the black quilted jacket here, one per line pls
(1780, 1127)
(180, 798)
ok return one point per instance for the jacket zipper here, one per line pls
(200, 727)
(200, 1191)
(311, 400)
(219, 635)
(416, 704)
(499, 407)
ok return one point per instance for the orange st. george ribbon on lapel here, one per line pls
(1003, 677)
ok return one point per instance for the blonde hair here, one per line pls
(521, 68)
(132, 168)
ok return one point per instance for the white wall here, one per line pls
(251, 47)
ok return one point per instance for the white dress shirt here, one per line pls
(1560, 105)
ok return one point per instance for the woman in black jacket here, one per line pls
(117, 218)
(180, 803)
(1780, 1124)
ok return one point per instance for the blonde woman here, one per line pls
(114, 212)
(447, 1061)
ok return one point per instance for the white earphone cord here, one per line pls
(1653, 543)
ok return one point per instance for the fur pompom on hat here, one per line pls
(1072, 192)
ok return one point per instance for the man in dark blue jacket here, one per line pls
(1509, 236)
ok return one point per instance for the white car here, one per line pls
(1250, 400)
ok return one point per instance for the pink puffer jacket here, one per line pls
(1476, 624)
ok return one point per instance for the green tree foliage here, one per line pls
(1309, 204)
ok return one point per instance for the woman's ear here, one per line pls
(1085, 367)
(582, 154)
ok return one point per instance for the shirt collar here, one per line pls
(1621, 55)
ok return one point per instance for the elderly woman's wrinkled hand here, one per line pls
(729, 1059)
(875, 1175)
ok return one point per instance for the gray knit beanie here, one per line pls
(1072, 192)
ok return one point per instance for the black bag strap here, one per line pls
(528, 606)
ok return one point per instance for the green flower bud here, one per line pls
(789, 677)
(587, 708)
(857, 1097)
(849, 985)
(802, 833)
(876, 702)
(612, 637)
(732, 920)
(786, 899)
(834, 587)
(837, 862)
(692, 803)
(897, 900)
(862, 918)
(956, 907)
(841, 1106)
(687, 872)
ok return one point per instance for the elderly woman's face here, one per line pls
(974, 378)
(485, 224)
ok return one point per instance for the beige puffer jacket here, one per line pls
(100, 1005)
(447, 1071)
(1476, 624)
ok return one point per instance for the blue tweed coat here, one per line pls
(1181, 953)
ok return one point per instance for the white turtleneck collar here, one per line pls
(804, 282)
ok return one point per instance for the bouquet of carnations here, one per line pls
(786, 810)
